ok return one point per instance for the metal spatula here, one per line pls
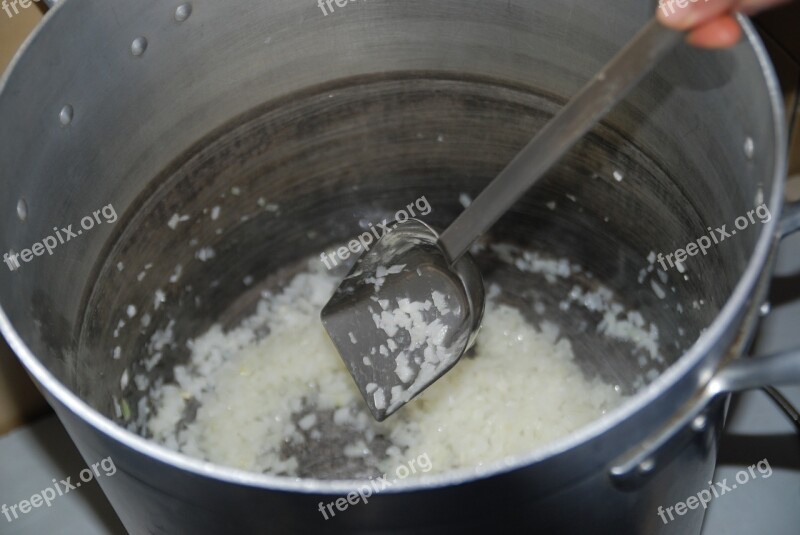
(412, 305)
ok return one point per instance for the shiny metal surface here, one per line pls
(409, 265)
(603, 91)
(167, 131)
(389, 381)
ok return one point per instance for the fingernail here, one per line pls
(680, 14)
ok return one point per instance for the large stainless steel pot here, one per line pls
(157, 108)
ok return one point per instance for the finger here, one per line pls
(685, 14)
(721, 32)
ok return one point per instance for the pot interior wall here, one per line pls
(240, 212)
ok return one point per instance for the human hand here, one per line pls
(710, 23)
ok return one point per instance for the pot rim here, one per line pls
(636, 403)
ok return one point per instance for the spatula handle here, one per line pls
(582, 112)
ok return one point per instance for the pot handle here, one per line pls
(779, 369)
(790, 220)
(633, 468)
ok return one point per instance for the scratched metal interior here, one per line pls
(300, 174)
